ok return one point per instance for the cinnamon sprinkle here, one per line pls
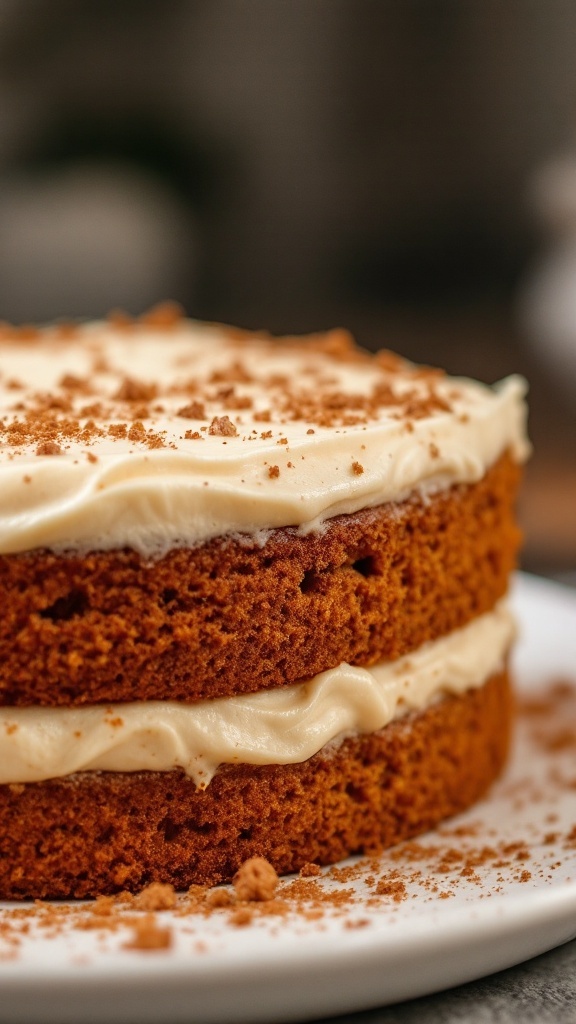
(48, 448)
(135, 391)
(147, 936)
(164, 315)
(467, 855)
(192, 411)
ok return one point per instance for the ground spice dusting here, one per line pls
(139, 412)
(238, 402)
(313, 396)
(48, 448)
(135, 391)
(118, 429)
(236, 372)
(391, 886)
(155, 440)
(432, 868)
(147, 936)
(310, 871)
(72, 383)
(91, 410)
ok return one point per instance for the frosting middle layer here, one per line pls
(281, 726)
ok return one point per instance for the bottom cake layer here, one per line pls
(100, 832)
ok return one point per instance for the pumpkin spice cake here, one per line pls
(254, 600)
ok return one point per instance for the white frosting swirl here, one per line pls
(281, 726)
(158, 489)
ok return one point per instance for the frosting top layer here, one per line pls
(165, 432)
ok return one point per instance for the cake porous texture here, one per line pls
(255, 600)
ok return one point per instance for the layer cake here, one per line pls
(254, 600)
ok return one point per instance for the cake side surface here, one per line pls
(192, 515)
(99, 833)
(228, 617)
(284, 725)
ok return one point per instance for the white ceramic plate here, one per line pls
(492, 888)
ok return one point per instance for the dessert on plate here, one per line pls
(254, 600)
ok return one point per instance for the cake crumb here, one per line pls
(241, 917)
(148, 937)
(393, 887)
(70, 382)
(120, 320)
(219, 897)
(103, 906)
(48, 448)
(357, 468)
(222, 426)
(164, 314)
(156, 896)
(255, 880)
(132, 390)
(273, 472)
(137, 431)
(118, 430)
(192, 411)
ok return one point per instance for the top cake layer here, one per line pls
(162, 433)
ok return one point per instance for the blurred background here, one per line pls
(404, 168)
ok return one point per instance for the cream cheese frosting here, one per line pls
(152, 436)
(281, 726)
